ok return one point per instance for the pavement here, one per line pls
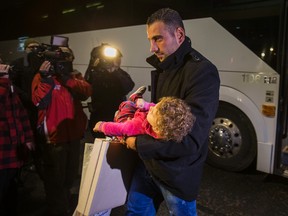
(221, 193)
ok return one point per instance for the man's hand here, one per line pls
(131, 143)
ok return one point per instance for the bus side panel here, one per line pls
(264, 127)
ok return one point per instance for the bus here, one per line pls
(247, 41)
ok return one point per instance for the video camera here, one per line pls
(58, 53)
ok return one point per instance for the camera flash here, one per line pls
(110, 52)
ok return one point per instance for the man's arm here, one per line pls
(42, 86)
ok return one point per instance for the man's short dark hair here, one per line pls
(168, 16)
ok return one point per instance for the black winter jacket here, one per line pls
(188, 75)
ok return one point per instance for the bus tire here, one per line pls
(232, 139)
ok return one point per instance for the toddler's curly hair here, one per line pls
(175, 119)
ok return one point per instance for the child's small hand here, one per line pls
(97, 127)
(140, 103)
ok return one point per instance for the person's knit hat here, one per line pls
(30, 41)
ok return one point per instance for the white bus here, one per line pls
(248, 44)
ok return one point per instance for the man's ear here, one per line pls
(180, 35)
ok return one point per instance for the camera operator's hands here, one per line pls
(96, 62)
(44, 69)
(34, 61)
(64, 77)
(4, 70)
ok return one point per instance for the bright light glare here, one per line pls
(96, 4)
(262, 54)
(45, 16)
(110, 52)
(68, 11)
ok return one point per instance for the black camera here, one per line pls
(58, 53)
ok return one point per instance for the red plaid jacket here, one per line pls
(14, 126)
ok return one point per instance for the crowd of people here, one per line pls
(41, 112)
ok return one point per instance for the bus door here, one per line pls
(281, 150)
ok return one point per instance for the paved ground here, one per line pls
(242, 194)
(221, 194)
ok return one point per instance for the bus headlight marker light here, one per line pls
(268, 110)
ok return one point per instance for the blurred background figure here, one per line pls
(24, 69)
(110, 84)
(16, 140)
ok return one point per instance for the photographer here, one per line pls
(110, 84)
(15, 137)
(24, 69)
(57, 91)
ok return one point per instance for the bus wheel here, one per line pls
(232, 139)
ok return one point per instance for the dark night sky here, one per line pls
(24, 17)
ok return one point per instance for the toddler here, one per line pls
(169, 119)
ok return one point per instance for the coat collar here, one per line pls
(173, 60)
